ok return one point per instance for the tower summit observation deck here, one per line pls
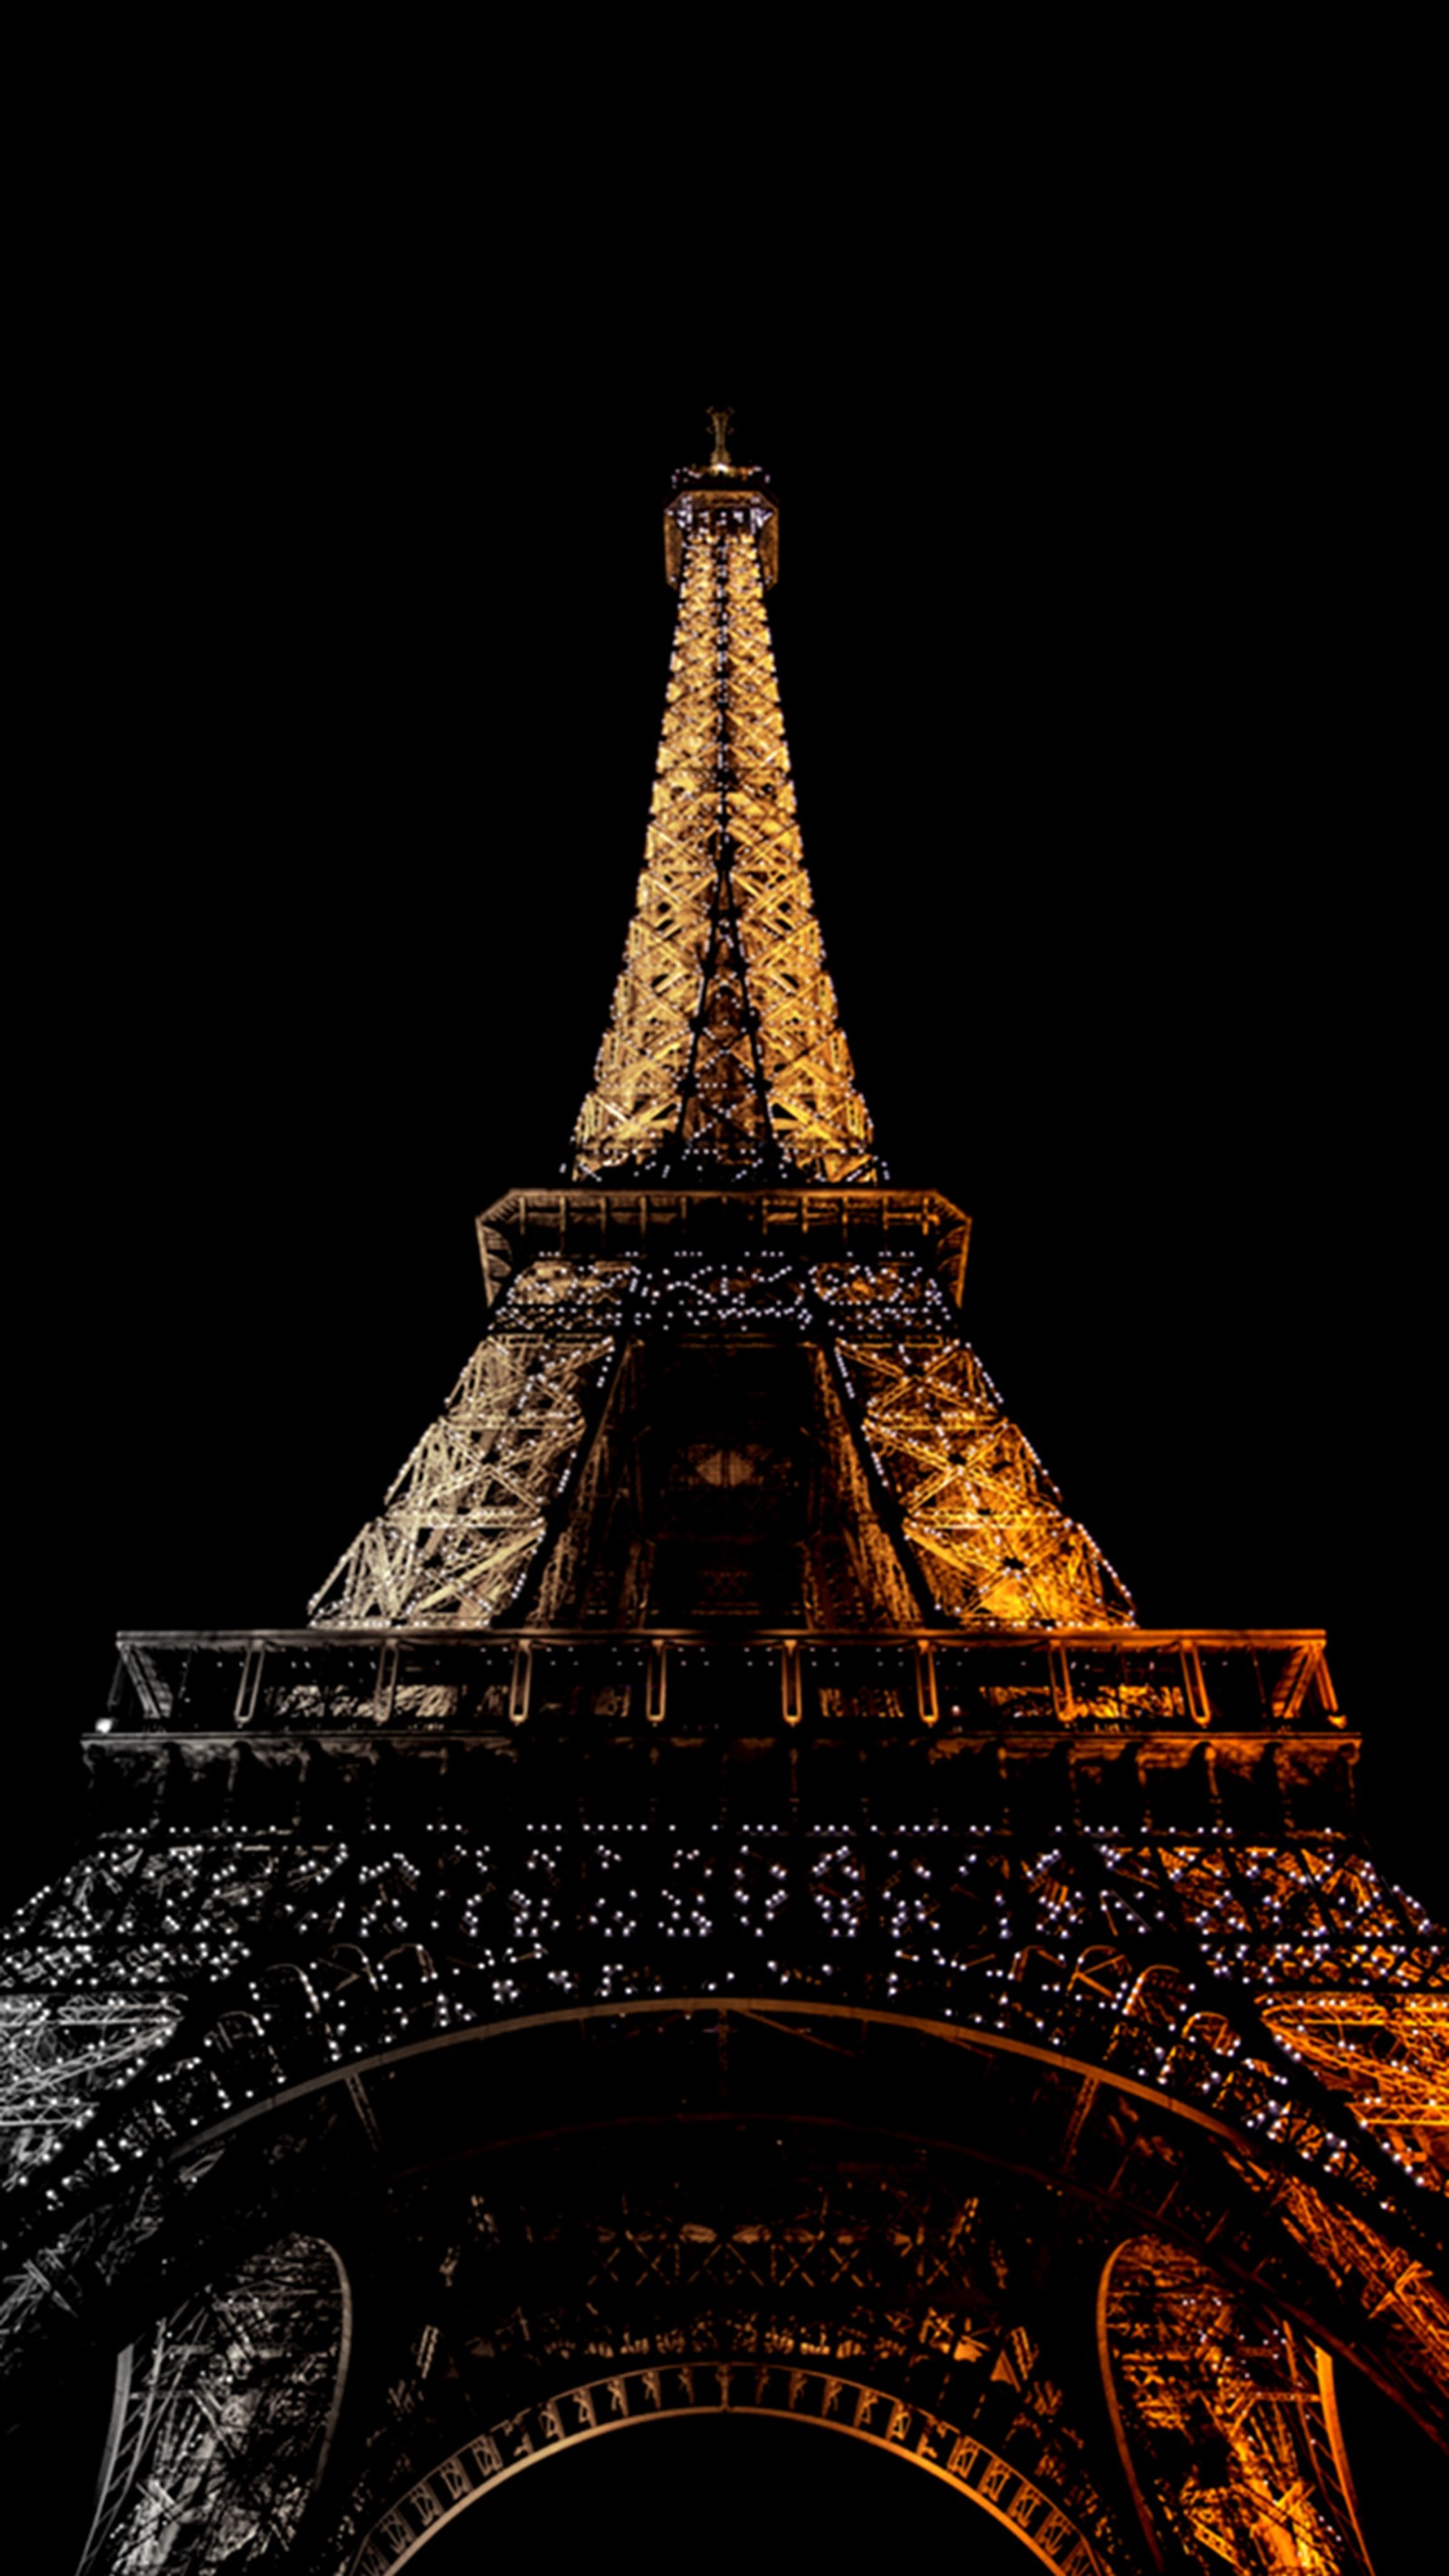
(724, 1912)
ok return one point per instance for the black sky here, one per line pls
(1099, 630)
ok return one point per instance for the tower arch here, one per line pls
(808, 2397)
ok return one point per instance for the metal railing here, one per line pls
(1129, 1682)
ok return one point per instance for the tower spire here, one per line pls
(552, 1487)
(724, 1055)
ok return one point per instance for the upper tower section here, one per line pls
(724, 1058)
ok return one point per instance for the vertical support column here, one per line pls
(249, 1687)
(656, 1681)
(1199, 1707)
(520, 1683)
(385, 1692)
(927, 1705)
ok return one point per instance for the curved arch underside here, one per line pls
(877, 2197)
(813, 2195)
(625, 2399)
(1092, 2130)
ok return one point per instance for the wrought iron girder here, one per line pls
(658, 2249)
(1161, 1728)
(1400, 2298)
(1226, 2420)
(1137, 2169)
(856, 1225)
(976, 1505)
(722, 2384)
(1321, 1910)
(222, 2420)
(465, 1514)
(62, 2054)
(983, 1536)
(724, 1046)
(1387, 2051)
(1350, 1978)
(1137, 2165)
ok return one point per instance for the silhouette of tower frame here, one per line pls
(723, 1735)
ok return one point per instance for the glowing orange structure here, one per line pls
(727, 1174)
(724, 1910)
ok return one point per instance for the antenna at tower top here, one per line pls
(721, 420)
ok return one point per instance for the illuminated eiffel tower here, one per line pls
(724, 1912)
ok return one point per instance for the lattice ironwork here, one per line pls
(724, 1048)
(1096, 1690)
(343, 1951)
(358, 1952)
(1396, 2284)
(1388, 2052)
(1227, 2418)
(60, 2056)
(712, 2385)
(465, 1514)
(973, 1529)
(977, 1508)
(222, 2421)
(843, 2283)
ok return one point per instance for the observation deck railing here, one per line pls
(1136, 1682)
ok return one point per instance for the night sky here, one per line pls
(1098, 637)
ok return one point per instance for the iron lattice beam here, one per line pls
(954, 1515)
(724, 1050)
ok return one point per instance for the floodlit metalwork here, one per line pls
(1400, 2290)
(949, 1502)
(724, 1069)
(59, 2056)
(1388, 2052)
(724, 1050)
(222, 2419)
(724, 1910)
(1267, 2488)
(464, 1515)
(793, 2394)
(978, 1512)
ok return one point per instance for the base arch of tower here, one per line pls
(754, 2184)
(738, 2391)
(1080, 2125)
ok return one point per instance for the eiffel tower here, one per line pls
(724, 1914)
